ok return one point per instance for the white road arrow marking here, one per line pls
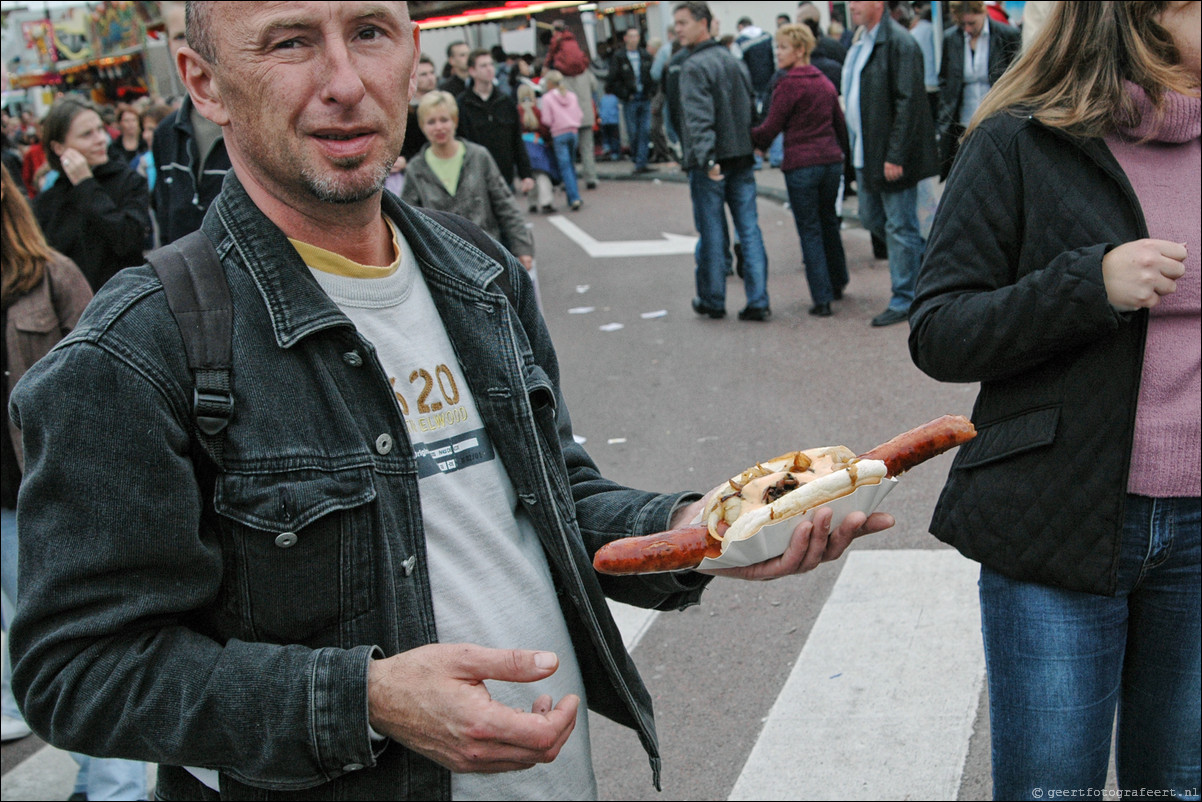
(669, 245)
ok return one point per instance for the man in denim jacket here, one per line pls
(310, 603)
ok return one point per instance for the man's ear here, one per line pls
(197, 75)
(417, 50)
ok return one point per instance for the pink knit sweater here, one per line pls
(561, 112)
(1166, 459)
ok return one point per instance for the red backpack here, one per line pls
(566, 56)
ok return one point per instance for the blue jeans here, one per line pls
(565, 154)
(736, 190)
(893, 216)
(110, 779)
(611, 140)
(1060, 662)
(812, 193)
(8, 570)
(638, 128)
(776, 151)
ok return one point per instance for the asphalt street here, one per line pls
(671, 401)
(858, 680)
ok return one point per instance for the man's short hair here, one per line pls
(958, 8)
(454, 45)
(475, 55)
(425, 59)
(198, 28)
(698, 11)
(743, 21)
(807, 11)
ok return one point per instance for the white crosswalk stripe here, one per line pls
(883, 696)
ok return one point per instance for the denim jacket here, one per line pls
(177, 611)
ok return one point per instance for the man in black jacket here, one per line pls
(892, 142)
(457, 81)
(489, 117)
(976, 51)
(189, 155)
(758, 53)
(630, 80)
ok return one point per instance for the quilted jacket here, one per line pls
(1010, 295)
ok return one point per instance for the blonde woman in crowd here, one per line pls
(453, 175)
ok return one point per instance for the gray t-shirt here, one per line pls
(488, 573)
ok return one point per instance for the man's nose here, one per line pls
(344, 84)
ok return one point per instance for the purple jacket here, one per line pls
(805, 106)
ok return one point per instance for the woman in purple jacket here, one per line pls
(805, 106)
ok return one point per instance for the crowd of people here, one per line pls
(541, 121)
(323, 579)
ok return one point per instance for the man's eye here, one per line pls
(370, 33)
(286, 44)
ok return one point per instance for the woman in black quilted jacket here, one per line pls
(1062, 273)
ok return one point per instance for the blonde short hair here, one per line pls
(431, 100)
(552, 79)
(799, 37)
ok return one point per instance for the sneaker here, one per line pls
(646, 168)
(576, 204)
(759, 314)
(13, 728)
(548, 209)
(821, 310)
(711, 311)
(891, 316)
(590, 185)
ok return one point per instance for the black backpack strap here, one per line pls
(199, 297)
(475, 235)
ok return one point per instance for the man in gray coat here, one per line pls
(892, 138)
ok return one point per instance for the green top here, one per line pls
(447, 170)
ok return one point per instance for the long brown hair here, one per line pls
(1072, 76)
(25, 251)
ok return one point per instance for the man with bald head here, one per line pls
(360, 570)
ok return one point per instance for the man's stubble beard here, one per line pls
(329, 188)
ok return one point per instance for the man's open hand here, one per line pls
(433, 700)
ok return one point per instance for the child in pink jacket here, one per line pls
(561, 112)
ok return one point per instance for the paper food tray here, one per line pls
(772, 540)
